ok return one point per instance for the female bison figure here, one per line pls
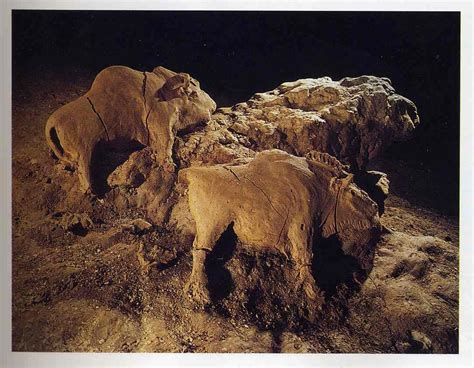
(125, 105)
(279, 201)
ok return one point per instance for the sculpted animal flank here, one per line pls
(278, 201)
(125, 105)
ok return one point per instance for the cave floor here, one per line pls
(90, 292)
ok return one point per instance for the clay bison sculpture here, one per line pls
(279, 201)
(125, 105)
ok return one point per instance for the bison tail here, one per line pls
(55, 143)
(52, 137)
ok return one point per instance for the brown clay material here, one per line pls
(278, 201)
(124, 105)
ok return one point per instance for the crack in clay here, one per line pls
(265, 194)
(145, 78)
(144, 89)
(203, 249)
(100, 118)
(283, 226)
(232, 171)
(335, 210)
(146, 126)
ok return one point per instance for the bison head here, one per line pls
(194, 105)
(351, 217)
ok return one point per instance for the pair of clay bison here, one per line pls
(274, 200)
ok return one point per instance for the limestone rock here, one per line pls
(153, 255)
(353, 119)
(376, 184)
(137, 226)
(144, 183)
(420, 342)
(133, 172)
(76, 223)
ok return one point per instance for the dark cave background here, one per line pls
(235, 54)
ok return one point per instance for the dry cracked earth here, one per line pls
(89, 276)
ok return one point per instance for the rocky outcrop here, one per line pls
(353, 119)
(141, 182)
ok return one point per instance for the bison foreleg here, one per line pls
(305, 281)
(302, 255)
(197, 284)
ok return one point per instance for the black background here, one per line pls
(234, 54)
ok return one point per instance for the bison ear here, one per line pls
(347, 180)
(163, 72)
(176, 86)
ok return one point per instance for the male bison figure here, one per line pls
(125, 105)
(279, 201)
